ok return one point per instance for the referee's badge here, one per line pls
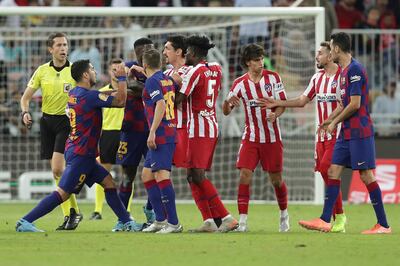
(67, 87)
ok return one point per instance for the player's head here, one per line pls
(112, 67)
(323, 56)
(57, 44)
(252, 57)
(197, 48)
(82, 71)
(175, 48)
(151, 59)
(340, 44)
(141, 45)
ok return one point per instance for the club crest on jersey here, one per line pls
(268, 88)
(343, 81)
(334, 84)
(67, 87)
(103, 96)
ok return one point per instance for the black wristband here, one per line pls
(23, 113)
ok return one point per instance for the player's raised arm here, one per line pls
(120, 96)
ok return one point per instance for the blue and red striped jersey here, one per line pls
(134, 118)
(161, 87)
(354, 81)
(85, 116)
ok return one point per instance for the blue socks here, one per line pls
(116, 205)
(148, 205)
(375, 195)
(168, 199)
(154, 196)
(125, 195)
(331, 195)
(45, 206)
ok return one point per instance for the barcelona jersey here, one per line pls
(85, 115)
(161, 87)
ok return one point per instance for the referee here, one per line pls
(54, 79)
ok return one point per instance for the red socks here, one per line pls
(214, 200)
(201, 201)
(281, 196)
(243, 198)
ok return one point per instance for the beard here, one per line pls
(92, 82)
(320, 66)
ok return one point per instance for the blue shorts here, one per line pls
(357, 154)
(160, 158)
(81, 170)
(132, 147)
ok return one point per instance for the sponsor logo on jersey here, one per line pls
(154, 93)
(327, 98)
(253, 103)
(278, 87)
(355, 78)
(206, 113)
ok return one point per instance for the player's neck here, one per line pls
(150, 72)
(178, 64)
(255, 76)
(83, 84)
(331, 69)
(345, 60)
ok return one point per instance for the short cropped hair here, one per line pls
(178, 42)
(326, 45)
(142, 41)
(342, 40)
(50, 39)
(152, 57)
(200, 44)
(78, 68)
(250, 52)
(115, 61)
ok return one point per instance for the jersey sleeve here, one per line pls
(279, 89)
(235, 90)
(154, 89)
(310, 91)
(99, 99)
(356, 80)
(190, 80)
(34, 82)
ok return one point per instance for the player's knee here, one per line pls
(108, 182)
(189, 178)
(367, 177)
(63, 194)
(276, 179)
(245, 176)
(129, 173)
(197, 179)
(57, 172)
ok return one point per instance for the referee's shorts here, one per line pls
(54, 131)
(109, 143)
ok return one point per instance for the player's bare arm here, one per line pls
(158, 116)
(351, 108)
(231, 102)
(270, 103)
(179, 98)
(120, 96)
(137, 69)
(25, 99)
(272, 116)
(332, 116)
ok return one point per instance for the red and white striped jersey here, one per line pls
(257, 128)
(327, 91)
(181, 110)
(201, 85)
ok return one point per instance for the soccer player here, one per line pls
(261, 141)
(54, 79)
(134, 131)
(201, 85)
(85, 115)
(174, 51)
(110, 134)
(324, 85)
(355, 147)
(158, 99)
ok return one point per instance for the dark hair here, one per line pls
(326, 45)
(178, 42)
(78, 68)
(50, 39)
(200, 45)
(141, 41)
(115, 61)
(342, 40)
(250, 52)
(152, 57)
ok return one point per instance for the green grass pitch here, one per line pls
(93, 243)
